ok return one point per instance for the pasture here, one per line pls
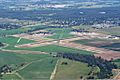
(56, 48)
(12, 41)
(38, 65)
(72, 70)
(60, 33)
(41, 69)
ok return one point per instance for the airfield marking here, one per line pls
(19, 40)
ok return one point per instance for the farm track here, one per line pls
(117, 77)
(54, 71)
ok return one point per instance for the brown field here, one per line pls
(101, 43)
(100, 52)
(35, 37)
(36, 44)
(24, 51)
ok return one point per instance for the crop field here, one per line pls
(114, 46)
(101, 43)
(95, 40)
(72, 70)
(16, 59)
(52, 48)
(39, 69)
(37, 65)
(59, 39)
(60, 33)
(13, 40)
(111, 31)
(10, 76)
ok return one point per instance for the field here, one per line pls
(13, 40)
(39, 69)
(38, 66)
(72, 70)
(111, 31)
(14, 58)
(60, 33)
(59, 39)
(52, 48)
(101, 43)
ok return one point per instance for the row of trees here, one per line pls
(104, 65)
(9, 26)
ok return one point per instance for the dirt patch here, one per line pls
(35, 37)
(100, 43)
(24, 51)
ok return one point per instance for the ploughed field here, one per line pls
(101, 43)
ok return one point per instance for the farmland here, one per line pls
(59, 39)
(15, 60)
(72, 70)
(60, 33)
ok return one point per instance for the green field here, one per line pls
(60, 33)
(39, 70)
(40, 65)
(72, 70)
(52, 48)
(13, 40)
(10, 76)
(14, 58)
(111, 31)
